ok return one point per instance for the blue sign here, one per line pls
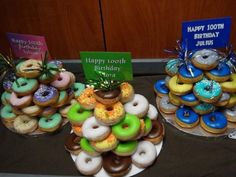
(209, 33)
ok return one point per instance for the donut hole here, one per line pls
(77, 140)
(23, 84)
(80, 111)
(135, 104)
(141, 153)
(25, 121)
(109, 108)
(213, 119)
(48, 120)
(59, 79)
(204, 56)
(29, 65)
(76, 89)
(95, 126)
(125, 126)
(88, 160)
(45, 93)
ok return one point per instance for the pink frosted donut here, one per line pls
(62, 82)
(20, 101)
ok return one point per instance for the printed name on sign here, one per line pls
(27, 46)
(209, 33)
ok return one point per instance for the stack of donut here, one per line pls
(113, 129)
(203, 91)
(34, 100)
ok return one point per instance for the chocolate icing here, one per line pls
(157, 129)
(73, 142)
(115, 164)
(108, 94)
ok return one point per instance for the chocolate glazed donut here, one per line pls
(157, 132)
(116, 165)
(72, 144)
(108, 97)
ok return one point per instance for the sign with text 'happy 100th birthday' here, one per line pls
(27, 46)
(209, 33)
(115, 65)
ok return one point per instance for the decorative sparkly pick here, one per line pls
(230, 57)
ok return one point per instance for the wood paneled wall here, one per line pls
(144, 27)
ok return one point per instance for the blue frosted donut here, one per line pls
(160, 88)
(214, 122)
(203, 108)
(189, 99)
(189, 77)
(221, 73)
(172, 67)
(186, 117)
(207, 91)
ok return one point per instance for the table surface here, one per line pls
(182, 154)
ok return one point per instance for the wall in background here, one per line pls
(144, 27)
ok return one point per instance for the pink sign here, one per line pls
(27, 46)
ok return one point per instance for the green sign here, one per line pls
(115, 65)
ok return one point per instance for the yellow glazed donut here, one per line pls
(232, 101)
(127, 92)
(30, 68)
(174, 99)
(229, 86)
(33, 110)
(87, 99)
(109, 114)
(178, 88)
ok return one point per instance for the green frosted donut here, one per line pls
(148, 125)
(51, 123)
(5, 97)
(86, 147)
(77, 115)
(126, 148)
(78, 88)
(127, 128)
(63, 96)
(45, 78)
(7, 114)
(18, 66)
(25, 86)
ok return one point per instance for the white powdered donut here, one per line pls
(138, 106)
(93, 130)
(166, 106)
(24, 124)
(206, 57)
(87, 164)
(152, 112)
(231, 114)
(144, 155)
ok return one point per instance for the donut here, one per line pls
(71, 95)
(174, 99)
(87, 99)
(18, 68)
(45, 96)
(62, 82)
(94, 131)
(7, 114)
(50, 124)
(185, 117)
(207, 90)
(48, 111)
(148, 125)
(77, 115)
(5, 97)
(220, 74)
(223, 100)
(189, 99)
(20, 101)
(145, 154)
(109, 114)
(156, 135)
(205, 59)
(65, 109)
(86, 147)
(24, 124)
(152, 112)
(72, 77)
(108, 97)
(167, 79)
(138, 106)
(160, 88)
(62, 99)
(214, 122)
(141, 130)
(105, 145)
(77, 129)
(8, 82)
(230, 85)
(172, 67)
(178, 88)
(232, 101)
(126, 148)
(127, 92)
(32, 110)
(203, 108)
(166, 106)
(30, 68)
(116, 165)
(128, 128)
(23, 86)
(78, 88)
(230, 114)
(17, 111)
(72, 144)
(51, 75)
(87, 164)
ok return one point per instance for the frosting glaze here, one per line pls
(161, 87)
(215, 120)
(204, 107)
(45, 93)
(190, 97)
(221, 71)
(207, 89)
(183, 71)
(172, 66)
(206, 57)
(108, 94)
(187, 115)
